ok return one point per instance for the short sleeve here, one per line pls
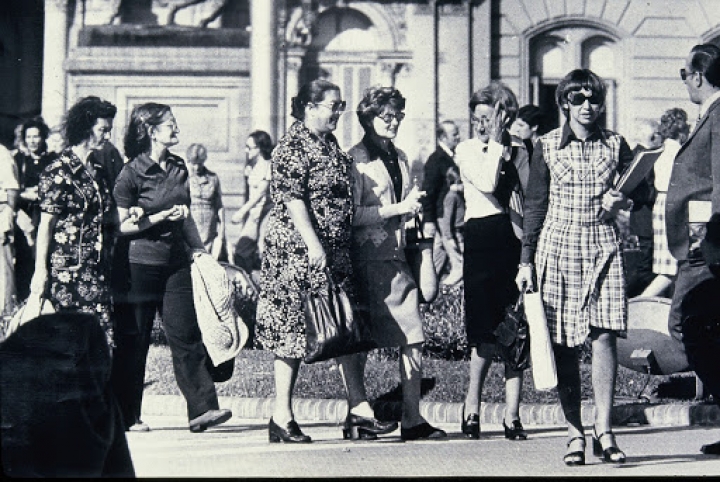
(53, 188)
(290, 169)
(124, 192)
(8, 170)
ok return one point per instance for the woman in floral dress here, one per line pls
(72, 263)
(308, 230)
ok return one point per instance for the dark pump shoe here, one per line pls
(711, 449)
(470, 425)
(611, 453)
(290, 434)
(366, 428)
(421, 432)
(517, 431)
(209, 419)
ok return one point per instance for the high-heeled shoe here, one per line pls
(576, 457)
(517, 431)
(470, 425)
(610, 453)
(365, 428)
(290, 434)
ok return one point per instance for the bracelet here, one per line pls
(525, 265)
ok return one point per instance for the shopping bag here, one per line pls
(332, 327)
(541, 351)
(513, 337)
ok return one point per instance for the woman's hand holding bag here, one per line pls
(332, 327)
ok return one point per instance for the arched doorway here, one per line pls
(343, 51)
(556, 52)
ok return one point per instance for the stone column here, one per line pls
(54, 87)
(292, 80)
(263, 66)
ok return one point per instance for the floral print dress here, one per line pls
(78, 252)
(318, 172)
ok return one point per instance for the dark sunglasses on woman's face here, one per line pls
(578, 98)
(388, 118)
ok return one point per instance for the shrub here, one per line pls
(444, 325)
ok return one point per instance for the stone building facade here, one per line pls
(228, 67)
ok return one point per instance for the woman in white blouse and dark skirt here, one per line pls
(491, 167)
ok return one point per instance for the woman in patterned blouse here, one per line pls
(72, 263)
(571, 247)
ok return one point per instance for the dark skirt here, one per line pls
(492, 254)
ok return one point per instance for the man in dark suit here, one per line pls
(692, 214)
(436, 187)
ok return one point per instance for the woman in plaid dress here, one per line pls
(571, 247)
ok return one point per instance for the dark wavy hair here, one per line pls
(39, 124)
(492, 94)
(83, 116)
(264, 142)
(142, 118)
(310, 93)
(577, 80)
(706, 60)
(674, 125)
(374, 101)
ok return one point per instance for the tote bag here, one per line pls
(332, 327)
(541, 351)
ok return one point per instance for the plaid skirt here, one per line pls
(663, 261)
(581, 277)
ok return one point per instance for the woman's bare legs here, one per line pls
(286, 372)
(513, 394)
(352, 370)
(604, 373)
(411, 378)
(480, 361)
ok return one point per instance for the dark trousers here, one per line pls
(695, 319)
(168, 289)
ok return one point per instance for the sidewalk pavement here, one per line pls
(681, 414)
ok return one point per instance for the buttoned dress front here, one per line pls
(79, 245)
(578, 260)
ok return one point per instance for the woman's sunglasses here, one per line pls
(578, 98)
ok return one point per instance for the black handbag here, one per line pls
(333, 327)
(513, 337)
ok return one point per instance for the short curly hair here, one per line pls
(674, 125)
(493, 93)
(143, 117)
(83, 116)
(374, 101)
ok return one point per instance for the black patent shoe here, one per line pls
(517, 431)
(470, 425)
(290, 434)
(609, 453)
(422, 431)
(576, 457)
(365, 428)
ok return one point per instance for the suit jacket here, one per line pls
(435, 185)
(695, 176)
(375, 238)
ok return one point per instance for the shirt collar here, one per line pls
(146, 164)
(446, 149)
(568, 135)
(376, 151)
(708, 102)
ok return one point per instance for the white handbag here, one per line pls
(541, 351)
(31, 309)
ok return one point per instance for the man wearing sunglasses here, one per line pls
(692, 217)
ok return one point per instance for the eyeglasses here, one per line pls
(335, 107)
(249, 147)
(388, 118)
(684, 74)
(171, 125)
(578, 98)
